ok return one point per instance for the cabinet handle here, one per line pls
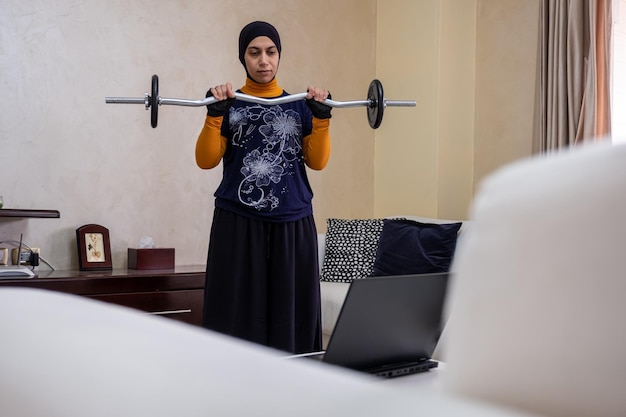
(166, 312)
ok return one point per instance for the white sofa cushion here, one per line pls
(538, 299)
(332, 296)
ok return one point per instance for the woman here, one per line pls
(262, 279)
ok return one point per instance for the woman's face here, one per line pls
(262, 58)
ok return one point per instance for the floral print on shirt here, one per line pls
(274, 157)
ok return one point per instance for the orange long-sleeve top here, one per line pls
(211, 145)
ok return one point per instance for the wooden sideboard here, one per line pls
(175, 293)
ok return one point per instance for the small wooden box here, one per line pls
(151, 258)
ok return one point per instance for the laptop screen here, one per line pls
(388, 321)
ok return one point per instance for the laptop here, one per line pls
(388, 326)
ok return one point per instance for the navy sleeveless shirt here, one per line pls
(264, 171)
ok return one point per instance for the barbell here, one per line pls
(375, 102)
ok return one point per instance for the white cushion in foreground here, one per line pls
(66, 356)
(539, 297)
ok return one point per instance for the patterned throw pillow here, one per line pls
(350, 249)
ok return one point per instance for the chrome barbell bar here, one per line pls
(163, 101)
(376, 103)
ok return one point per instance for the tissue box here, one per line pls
(151, 258)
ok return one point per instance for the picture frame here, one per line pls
(94, 248)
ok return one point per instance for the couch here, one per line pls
(334, 293)
(70, 356)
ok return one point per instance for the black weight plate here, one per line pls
(377, 107)
(154, 101)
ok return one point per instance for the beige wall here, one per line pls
(506, 66)
(470, 64)
(62, 147)
(424, 155)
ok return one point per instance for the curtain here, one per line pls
(573, 83)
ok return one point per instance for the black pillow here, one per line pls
(411, 247)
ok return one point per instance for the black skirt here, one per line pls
(262, 282)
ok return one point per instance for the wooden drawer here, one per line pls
(174, 293)
(182, 305)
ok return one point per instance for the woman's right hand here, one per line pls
(225, 95)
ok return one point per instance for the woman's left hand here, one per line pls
(314, 98)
